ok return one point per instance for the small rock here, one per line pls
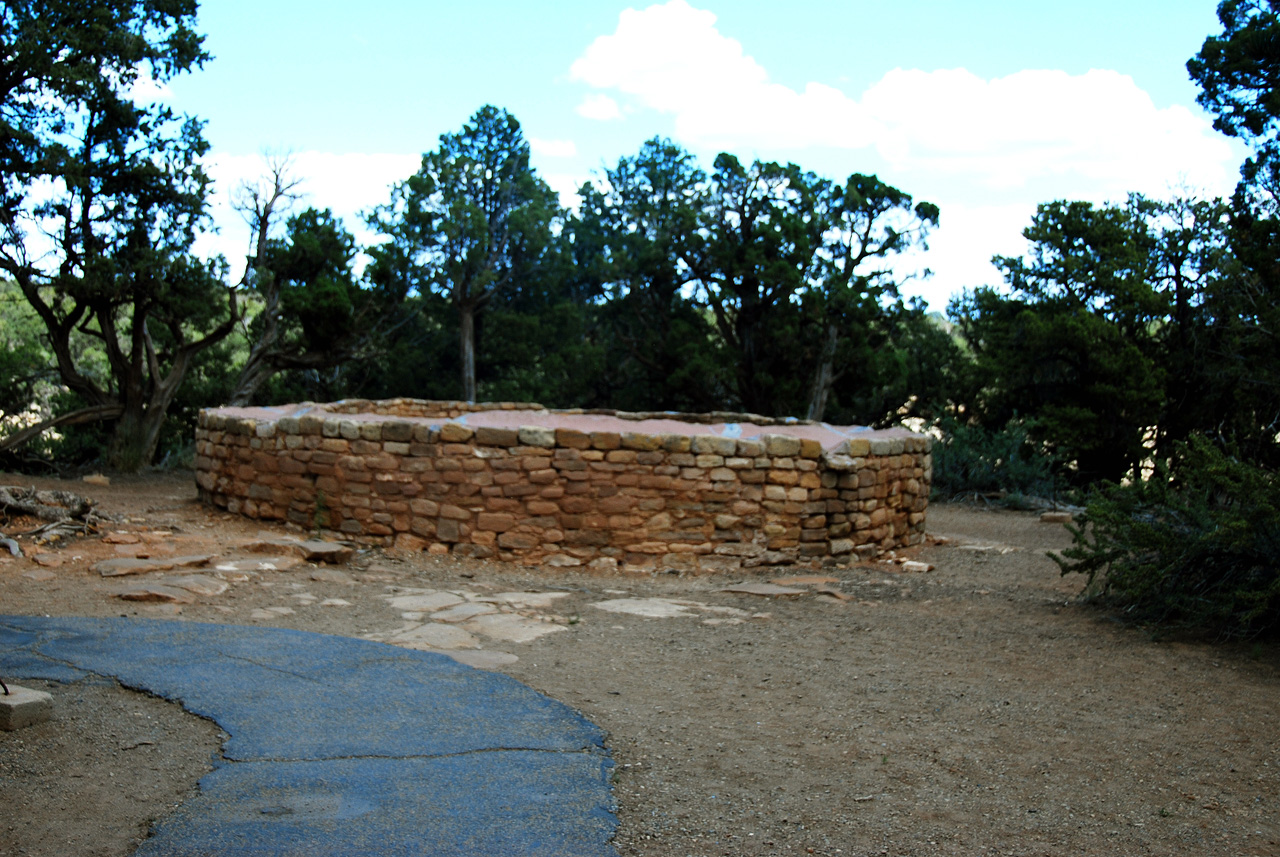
(122, 538)
(832, 593)
(1055, 518)
(913, 566)
(47, 560)
(335, 602)
(39, 574)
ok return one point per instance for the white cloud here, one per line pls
(553, 148)
(672, 59)
(599, 107)
(1099, 129)
(960, 249)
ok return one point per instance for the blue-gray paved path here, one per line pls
(345, 747)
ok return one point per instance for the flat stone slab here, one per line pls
(520, 600)
(805, 580)
(266, 563)
(770, 590)
(431, 636)
(156, 592)
(653, 608)
(312, 550)
(463, 612)
(128, 565)
(425, 602)
(199, 584)
(340, 746)
(24, 706)
(510, 628)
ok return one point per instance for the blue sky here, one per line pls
(983, 108)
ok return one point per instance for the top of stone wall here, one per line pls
(524, 417)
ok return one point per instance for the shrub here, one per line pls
(974, 459)
(1195, 547)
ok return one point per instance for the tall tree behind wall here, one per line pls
(870, 225)
(469, 223)
(756, 250)
(102, 193)
(642, 223)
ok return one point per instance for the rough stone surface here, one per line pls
(566, 489)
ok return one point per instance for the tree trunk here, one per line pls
(259, 367)
(467, 344)
(824, 377)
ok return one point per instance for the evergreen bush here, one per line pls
(1194, 547)
(973, 459)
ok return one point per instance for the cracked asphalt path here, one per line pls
(341, 746)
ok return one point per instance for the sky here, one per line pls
(983, 108)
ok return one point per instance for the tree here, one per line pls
(757, 250)
(470, 223)
(101, 194)
(638, 230)
(868, 223)
(1073, 346)
(1239, 77)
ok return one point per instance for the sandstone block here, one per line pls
(572, 439)
(640, 442)
(456, 433)
(495, 522)
(501, 437)
(858, 447)
(710, 444)
(781, 445)
(605, 440)
(538, 436)
(517, 541)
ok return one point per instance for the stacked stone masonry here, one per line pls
(548, 491)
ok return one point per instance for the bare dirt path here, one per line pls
(972, 709)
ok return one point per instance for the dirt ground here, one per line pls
(976, 708)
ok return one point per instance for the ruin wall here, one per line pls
(550, 491)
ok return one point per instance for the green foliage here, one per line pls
(111, 191)
(472, 223)
(1194, 547)
(972, 459)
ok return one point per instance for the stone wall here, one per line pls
(549, 492)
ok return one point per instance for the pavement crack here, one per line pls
(302, 676)
(590, 751)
